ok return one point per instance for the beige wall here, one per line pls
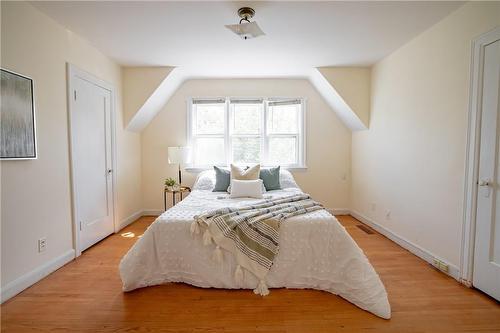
(36, 194)
(353, 85)
(328, 140)
(411, 160)
(139, 83)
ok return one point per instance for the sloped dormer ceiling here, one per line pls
(352, 84)
(148, 89)
(300, 37)
(139, 84)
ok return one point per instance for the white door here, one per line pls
(91, 160)
(486, 276)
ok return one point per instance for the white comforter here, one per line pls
(316, 252)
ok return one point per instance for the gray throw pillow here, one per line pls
(222, 179)
(271, 178)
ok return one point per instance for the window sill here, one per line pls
(199, 169)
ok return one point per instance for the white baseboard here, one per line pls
(15, 287)
(152, 212)
(453, 271)
(338, 211)
(130, 219)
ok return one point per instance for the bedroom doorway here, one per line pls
(481, 251)
(486, 274)
(92, 152)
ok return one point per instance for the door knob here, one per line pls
(484, 182)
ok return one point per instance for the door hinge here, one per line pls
(74, 94)
(81, 226)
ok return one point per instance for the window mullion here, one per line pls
(264, 136)
(227, 139)
(264, 139)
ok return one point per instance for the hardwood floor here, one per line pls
(86, 296)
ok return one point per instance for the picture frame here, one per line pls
(17, 117)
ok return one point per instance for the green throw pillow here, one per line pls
(222, 179)
(271, 178)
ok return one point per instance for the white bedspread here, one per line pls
(316, 252)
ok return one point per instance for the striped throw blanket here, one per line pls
(251, 233)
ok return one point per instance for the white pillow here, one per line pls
(205, 181)
(246, 189)
(287, 180)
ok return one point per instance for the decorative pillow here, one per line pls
(205, 181)
(271, 178)
(246, 189)
(222, 179)
(251, 173)
(287, 180)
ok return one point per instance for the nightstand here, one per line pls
(181, 190)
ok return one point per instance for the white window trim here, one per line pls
(301, 142)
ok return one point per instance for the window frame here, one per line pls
(264, 136)
(191, 119)
(232, 135)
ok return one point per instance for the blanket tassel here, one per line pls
(217, 255)
(261, 289)
(207, 237)
(239, 275)
(195, 228)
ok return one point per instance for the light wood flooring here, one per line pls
(86, 296)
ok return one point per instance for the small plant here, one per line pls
(170, 182)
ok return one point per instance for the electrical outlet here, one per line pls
(42, 244)
(435, 263)
(442, 266)
(387, 214)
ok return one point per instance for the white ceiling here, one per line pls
(299, 35)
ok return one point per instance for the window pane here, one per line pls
(210, 151)
(246, 150)
(283, 150)
(283, 119)
(209, 119)
(247, 118)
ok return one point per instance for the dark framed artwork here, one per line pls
(17, 117)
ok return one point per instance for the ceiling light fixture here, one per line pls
(248, 29)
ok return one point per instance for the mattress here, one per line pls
(316, 252)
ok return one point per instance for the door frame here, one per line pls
(472, 154)
(74, 72)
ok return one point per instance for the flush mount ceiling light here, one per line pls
(248, 29)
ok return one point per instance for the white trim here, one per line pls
(152, 212)
(264, 136)
(132, 218)
(200, 169)
(338, 211)
(472, 154)
(15, 287)
(72, 72)
(401, 241)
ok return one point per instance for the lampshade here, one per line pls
(179, 155)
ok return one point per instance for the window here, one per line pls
(247, 131)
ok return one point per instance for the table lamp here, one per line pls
(179, 155)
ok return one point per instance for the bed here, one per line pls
(315, 252)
